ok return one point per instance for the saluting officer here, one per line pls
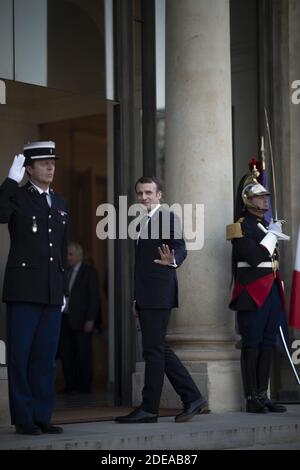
(34, 285)
(257, 295)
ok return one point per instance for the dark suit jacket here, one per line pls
(156, 286)
(84, 300)
(35, 270)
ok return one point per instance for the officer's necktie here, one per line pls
(45, 201)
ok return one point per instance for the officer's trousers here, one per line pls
(32, 341)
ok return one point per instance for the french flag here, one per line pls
(294, 320)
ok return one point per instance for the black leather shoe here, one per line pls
(271, 405)
(254, 405)
(138, 416)
(30, 429)
(47, 428)
(191, 409)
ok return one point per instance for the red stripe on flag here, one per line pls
(294, 320)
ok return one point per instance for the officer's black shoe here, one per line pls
(271, 405)
(30, 429)
(137, 416)
(47, 428)
(191, 409)
(254, 405)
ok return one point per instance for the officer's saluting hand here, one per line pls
(17, 170)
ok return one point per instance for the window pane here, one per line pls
(6, 39)
(60, 44)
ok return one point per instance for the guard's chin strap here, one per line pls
(252, 206)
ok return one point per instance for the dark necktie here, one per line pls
(142, 226)
(71, 278)
(45, 202)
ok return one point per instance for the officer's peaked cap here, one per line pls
(40, 150)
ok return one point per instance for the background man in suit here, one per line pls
(155, 295)
(81, 312)
(34, 285)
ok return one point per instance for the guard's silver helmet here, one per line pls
(253, 188)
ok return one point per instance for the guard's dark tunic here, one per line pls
(253, 283)
(35, 270)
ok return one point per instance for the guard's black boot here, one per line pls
(264, 362)
(263, 376)
(248, 367)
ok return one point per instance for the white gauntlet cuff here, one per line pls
(269, 242)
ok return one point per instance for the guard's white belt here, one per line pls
(264, 264)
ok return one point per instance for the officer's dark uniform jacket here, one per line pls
(156, 286)
(253, 283)
(35, 270)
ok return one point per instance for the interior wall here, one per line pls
(80, 139)
(81, 177)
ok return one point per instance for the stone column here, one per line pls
(199, 171)
(4, 407)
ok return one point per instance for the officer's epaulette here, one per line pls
(234, 230)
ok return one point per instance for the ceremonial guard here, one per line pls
(34, 285)
(258, 295)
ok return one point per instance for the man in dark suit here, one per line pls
(81, 312)
(160, 249)
(34, 285)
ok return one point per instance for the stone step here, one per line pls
(211, 431)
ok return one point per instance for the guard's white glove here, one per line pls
(17, 169)
(276, 228)
(64, 304)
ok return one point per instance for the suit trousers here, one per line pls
(76, 349)
(159, 360)
(32, 341)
